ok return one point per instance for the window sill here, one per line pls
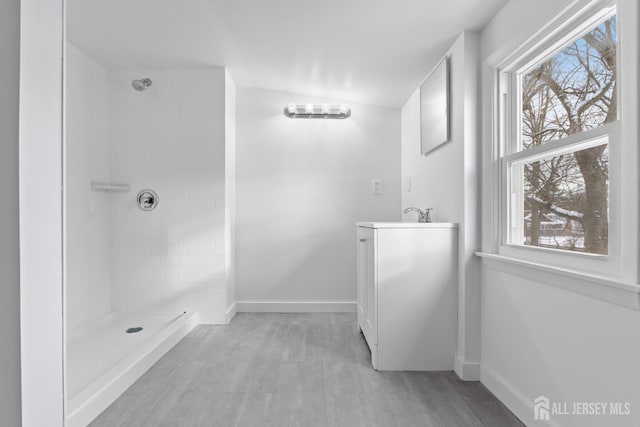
(602, 288)
(562, 252)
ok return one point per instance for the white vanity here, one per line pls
(407, 294)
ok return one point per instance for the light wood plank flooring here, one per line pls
(294, 370)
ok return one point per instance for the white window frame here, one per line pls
(620, 264)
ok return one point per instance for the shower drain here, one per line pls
(134, 330)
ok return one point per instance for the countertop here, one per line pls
(370, 224)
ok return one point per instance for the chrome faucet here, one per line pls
(423, 215)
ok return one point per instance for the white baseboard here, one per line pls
(296, 306)
(231, 312)
(467, 371)
(512, 398)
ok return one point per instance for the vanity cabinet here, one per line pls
(367, 318)
(407, 294)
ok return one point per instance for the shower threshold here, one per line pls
(103, 360)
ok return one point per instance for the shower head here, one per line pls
(141, 85)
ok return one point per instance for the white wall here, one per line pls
(437, 177)
(541, 340)
(40, 163)
(9, 241)
(171, 139)
(88, 278)
(538, 339)
(447, 180)
(301, 186)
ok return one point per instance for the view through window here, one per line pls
(565, 195)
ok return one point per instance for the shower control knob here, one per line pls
(147, 200)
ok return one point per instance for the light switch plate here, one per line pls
(376, 186)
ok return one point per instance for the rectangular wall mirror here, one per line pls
(434, 108)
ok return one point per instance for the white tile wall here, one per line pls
(88, 273)
(170, 138)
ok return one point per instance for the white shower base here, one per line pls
(103, 361)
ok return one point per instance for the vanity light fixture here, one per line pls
(317, 111)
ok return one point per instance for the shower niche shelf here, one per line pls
(109, 188)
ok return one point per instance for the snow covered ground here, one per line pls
(565, 242)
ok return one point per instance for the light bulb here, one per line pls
(308, 108)
(291, 108)
(344, 109)
(325, 108)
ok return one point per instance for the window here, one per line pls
(561, 116)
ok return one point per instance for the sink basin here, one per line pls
(392, 224)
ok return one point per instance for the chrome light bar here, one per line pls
(317, 111)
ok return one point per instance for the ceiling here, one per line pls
(368, 51)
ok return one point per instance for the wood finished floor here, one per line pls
(294, 370)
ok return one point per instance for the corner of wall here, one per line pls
(230, 194)
(471, 229)
(448, 179)
(466, 371)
